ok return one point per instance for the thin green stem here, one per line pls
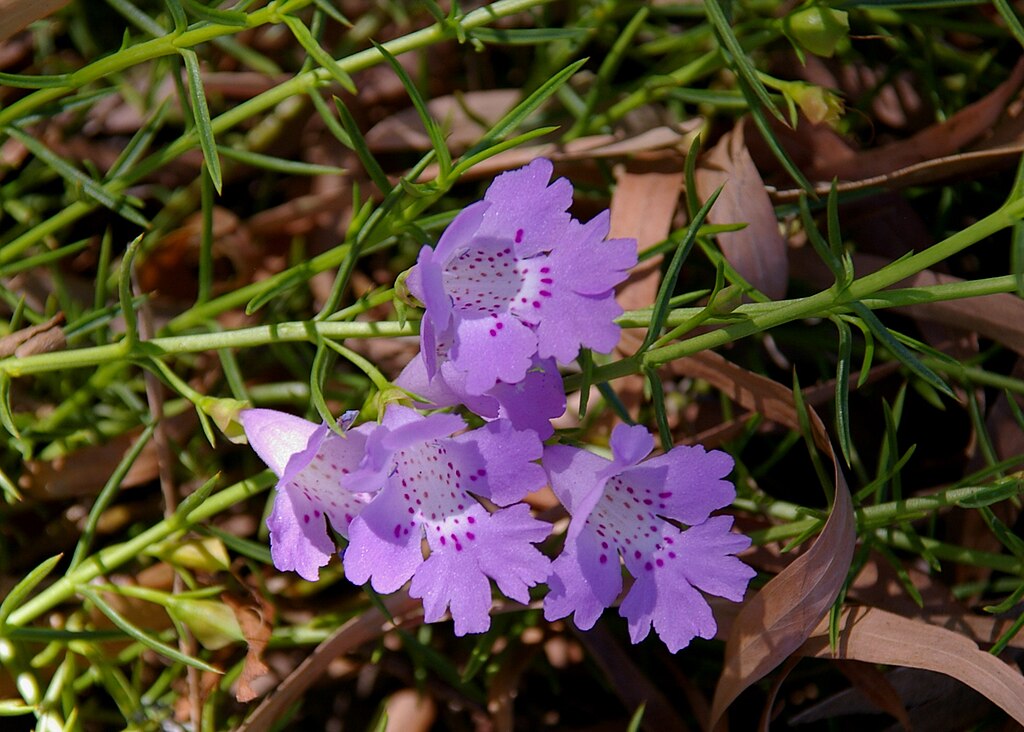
(115, 556)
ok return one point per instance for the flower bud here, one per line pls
(224, 413)
(212, 623)
(817, 28)
(817, 103)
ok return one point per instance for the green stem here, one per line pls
(113, 557)
(172, 345)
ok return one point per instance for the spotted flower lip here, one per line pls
(514, 277)
(309, 460)
(628, 508)
(425, 482)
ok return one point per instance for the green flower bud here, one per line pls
(212, 623)
(224, 412)
(817, 103)
(817, 28)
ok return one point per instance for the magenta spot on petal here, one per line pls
(648, 566)
(398, 530)
(666, 494)
(499, 326)
(306, 518)
(470, 519)
(519, 236)
(660, 562)
(316, 513)
(545, 270)
(536, 304)
(546, 280)
(411, 509)
(637, 554)
(348, 518)
(671, 555)
(493, 332)
(470, 535)
(545, 293)
(602, 559)
(443, 541)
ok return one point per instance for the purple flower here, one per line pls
(310, 461)
(515, 278)
(425, 479)
(530, 404)
(626, 508)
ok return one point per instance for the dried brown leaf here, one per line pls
(877, 636)
(778, 619)
(463, 120)
(675, 137)
(84, 471)
(758, 252)
(932, 154)
(255, 621)
(13, 343)
(643, 206)
(873, 684)
(17, 14)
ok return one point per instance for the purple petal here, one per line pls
(587, 264)
(384, 546)
(492, 348)
(708, 563)
(526, 210)
(533, 402)
(505, 456)
(298, 541)
(571, 321)
(426, 282)
(506, 552)
(574, 477)
(443, 581)
(277, 436)
(630, 444)
(581, 582)
(687, 483)
(461, 230)
(497, 546)
(668, 602)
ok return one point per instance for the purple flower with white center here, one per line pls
(515, 278)
(310, 461)
(626, 508)
(426, 480)
(530, 404)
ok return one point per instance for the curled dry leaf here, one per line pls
(778, 619)
(255, 621)
(876, 636)
(758, 252)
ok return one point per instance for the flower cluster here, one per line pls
(514, 288)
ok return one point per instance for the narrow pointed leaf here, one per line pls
(201, 113)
